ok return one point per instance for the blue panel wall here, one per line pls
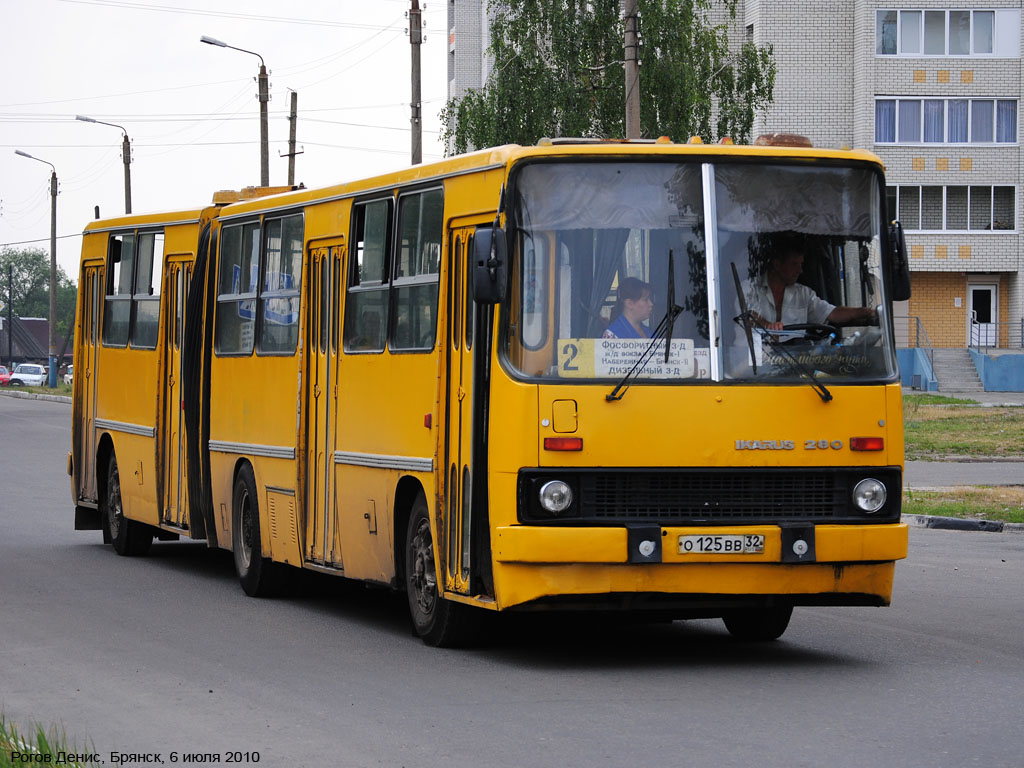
(999, 373)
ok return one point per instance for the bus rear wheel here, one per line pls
(439, 622)
(254, 571)
(128, 537)
(758, 625)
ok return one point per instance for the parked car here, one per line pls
(5, 375)
(28, 375)
(69, 376)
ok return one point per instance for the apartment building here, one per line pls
(934, 89)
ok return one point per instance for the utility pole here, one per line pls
(632, 72)
(415, 40)
(10, 316)
(293, 117)
(126, 153)
(53, 280)
(264, 127)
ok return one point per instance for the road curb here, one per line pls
(959, 524)
(33, 396)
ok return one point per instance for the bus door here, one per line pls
(176, 278)
(93, 293)
(457, 483)
(323, 545)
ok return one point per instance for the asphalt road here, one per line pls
(165, 654)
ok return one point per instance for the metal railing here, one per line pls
(917, 336)
(996, 335)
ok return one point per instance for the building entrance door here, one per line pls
(983, 314)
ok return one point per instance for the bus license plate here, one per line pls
(746, 544)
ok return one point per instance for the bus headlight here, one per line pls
(869, 495)
(555, 496)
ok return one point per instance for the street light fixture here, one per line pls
(126, 154)
(53, 267)
(264, 98)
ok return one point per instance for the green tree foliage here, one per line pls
(558, 71)
(29, 291)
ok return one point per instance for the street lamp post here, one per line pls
(53, 267)
(264, 98)
(126, 154)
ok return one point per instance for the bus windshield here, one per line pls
(783, 285)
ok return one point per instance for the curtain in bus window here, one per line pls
(933, 120)
(885, 120)
(146, 309)
(417, 270)
(823, 201)
(120, 275)
(956, 121)
(1006, 121)
(282, 275)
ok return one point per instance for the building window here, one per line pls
(947, 32)
(953, 208)
(945, 121)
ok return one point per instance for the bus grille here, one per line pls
(704, 496)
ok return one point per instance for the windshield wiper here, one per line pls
(664, 329)
(746, 317)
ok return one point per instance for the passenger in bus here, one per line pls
(632, 311)
(776, 299)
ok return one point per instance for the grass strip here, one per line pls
(41, 748)
(954, 430)
(1002, 503)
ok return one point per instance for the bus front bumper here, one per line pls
(842, 565)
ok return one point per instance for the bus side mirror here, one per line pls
(899, 264)
(489, 263)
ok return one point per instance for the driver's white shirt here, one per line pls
(800, 304)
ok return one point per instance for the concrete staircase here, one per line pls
(955, 371)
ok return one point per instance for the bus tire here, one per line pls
(758, 625)
(438, 622)
(254, 570)
(128, 537)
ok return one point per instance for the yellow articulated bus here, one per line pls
(581, 375)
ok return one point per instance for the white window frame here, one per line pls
(1005, 35)
(945, 122)
(991, 187)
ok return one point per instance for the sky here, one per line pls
(190, 109)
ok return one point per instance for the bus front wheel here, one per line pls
(758, 625)
(439, 622)
(254, 570)
(128, 537)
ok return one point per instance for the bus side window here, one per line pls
(366, 309)
(282, 275)
(118, 312)
(238, 277)
(417, 271)
(146, 301)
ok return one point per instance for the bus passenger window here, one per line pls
(238, 276)
(146, 303)
(117, 316)
(279, 297)
(417, 271)
(366, 308)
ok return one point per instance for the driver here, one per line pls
(776, 299)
